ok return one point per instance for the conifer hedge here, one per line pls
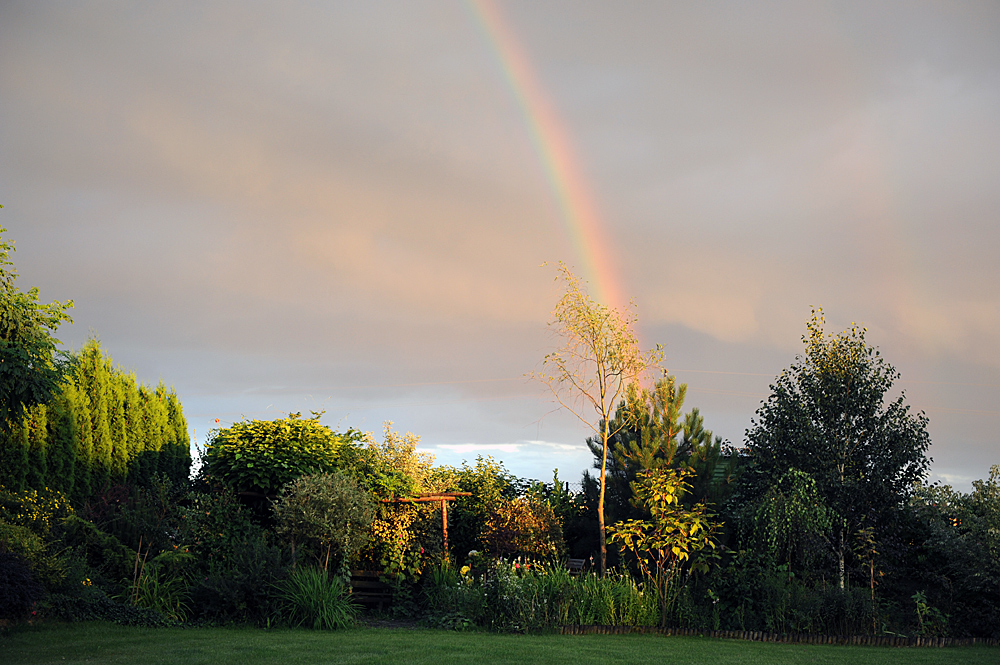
(102, 428)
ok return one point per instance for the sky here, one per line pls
(356, 207)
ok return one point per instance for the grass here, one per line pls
(108, 643)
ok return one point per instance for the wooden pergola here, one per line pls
(444, 498)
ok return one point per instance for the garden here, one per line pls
(819, 529)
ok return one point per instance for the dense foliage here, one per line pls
(821, 524)
(101, 428)
(328, 508)
(32, 369)
(828, 417)
(264, 455)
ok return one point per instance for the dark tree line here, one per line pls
(828, 524)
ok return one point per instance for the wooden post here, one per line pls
(444, 526)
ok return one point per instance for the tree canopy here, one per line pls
(31, 367)
(829, 415)
(263, 455)
(330, 508)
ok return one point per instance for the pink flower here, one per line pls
(516, 566)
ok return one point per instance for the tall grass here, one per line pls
(312, 598)
(516, 597)
(614, 600)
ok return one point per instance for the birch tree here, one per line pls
(598, 357)
(830, 416)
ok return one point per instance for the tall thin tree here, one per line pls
(597, 359)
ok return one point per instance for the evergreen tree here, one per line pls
(14, 458)
(93, 380)
(652, 434)
(117, 425)
(34, 425)
(62, 446)
(181, 456)
(79, 406)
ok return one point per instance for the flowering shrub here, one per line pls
(522, 526)
(453, 599)
(39, 511)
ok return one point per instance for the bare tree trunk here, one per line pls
(871, 569)
(600, 502)
(842, 544)
(840, 560)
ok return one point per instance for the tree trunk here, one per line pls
(841, 544)
(840, 561)
(600, 502)
(871, 569)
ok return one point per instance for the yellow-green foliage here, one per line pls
(26, 519)
(101, 427)
(38, 511)
(391, 467)
(265, 455)
(402, 534)
(674, 535)
(522, 526)
(394, 544)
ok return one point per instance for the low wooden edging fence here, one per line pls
(789, 638)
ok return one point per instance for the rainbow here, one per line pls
(581, 221)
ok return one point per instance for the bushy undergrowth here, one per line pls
(18, 590)
(241, 589)
(97, 606)
(750, 594)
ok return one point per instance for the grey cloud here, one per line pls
(262, 202)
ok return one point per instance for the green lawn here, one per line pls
(108, 643)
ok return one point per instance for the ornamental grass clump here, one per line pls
(311, 597)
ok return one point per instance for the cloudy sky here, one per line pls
(345, 206)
